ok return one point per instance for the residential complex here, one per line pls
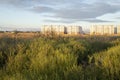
(74, 30)
(53, 28)
(118, 29)
(102, 30)
(62, 29)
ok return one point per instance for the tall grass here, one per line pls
(59, 58)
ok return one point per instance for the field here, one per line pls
(19, 35)
(37, 57)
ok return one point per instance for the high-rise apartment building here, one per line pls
(61, 29)
(102, 29)
(74, 30)
(53, 28)
(118, 29)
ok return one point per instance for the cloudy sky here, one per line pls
(33, 13)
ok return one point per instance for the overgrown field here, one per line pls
(60, 58)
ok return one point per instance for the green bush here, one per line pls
(60, 58)
(108, 62)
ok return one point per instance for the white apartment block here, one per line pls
(102, 29)
(61, 29)
(118, 29)
(53, 28)
(74, 29)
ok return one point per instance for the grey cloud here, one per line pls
(109, 1)
(42, 9)
(28, 2)
(16, 3)
(74, 12)
(86, 11)
(77, 20)
(96, 20)
(60, 21)
(117, 18)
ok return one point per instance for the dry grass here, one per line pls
(35, 34)
(18, 35)
(32, 35)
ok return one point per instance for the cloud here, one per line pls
(96, 20)
(42, 9)
(59, 21)
(93, 20)
(15, 3)
(68, 11)
(117, 17)
(28, 2)
(85, 11)
(80, 11)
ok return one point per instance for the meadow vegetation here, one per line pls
(60, 58)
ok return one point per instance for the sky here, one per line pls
(34, 13)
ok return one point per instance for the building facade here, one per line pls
(61, 29)
(102, 30)
(53, 28)
(118, 29)
(74, 30)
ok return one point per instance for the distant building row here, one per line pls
(62, 29)
(104, 29)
